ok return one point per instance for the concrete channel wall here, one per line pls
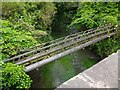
(102, 75)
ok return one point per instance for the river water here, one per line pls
(55, 73)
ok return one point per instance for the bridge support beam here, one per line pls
(43, 62)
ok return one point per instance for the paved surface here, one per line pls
(102, 75)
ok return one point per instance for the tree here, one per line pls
(95, 14)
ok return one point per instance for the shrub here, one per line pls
(92, 14)
(14, 40)
(13, 76)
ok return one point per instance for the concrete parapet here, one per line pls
(102, 75)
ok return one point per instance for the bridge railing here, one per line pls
(65, 46)
(49, 42)
(58, 42)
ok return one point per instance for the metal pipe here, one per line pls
(43, 62)
(48, 52)
(26, 53)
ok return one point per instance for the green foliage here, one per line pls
(87, 63)
(30, 17)
(9, 8)
(24, 25)
(110, 19)
(14, 77)
(108, 46)
(38, 14)
(92, 14)
(14, 40)
(63, 16)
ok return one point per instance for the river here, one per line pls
(55, 73)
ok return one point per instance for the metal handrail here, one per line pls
(48, 46)
(48, 52)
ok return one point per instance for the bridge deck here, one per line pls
(44, 51)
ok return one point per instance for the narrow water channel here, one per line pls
(55, 73)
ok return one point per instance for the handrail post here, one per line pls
(108, 31)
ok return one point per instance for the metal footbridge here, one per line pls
(47, 52)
